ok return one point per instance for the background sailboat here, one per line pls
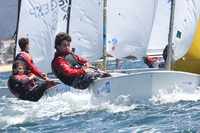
(185, 36)
(188, 60)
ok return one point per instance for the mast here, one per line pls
(16, 32)
(169, 48)
(68, 16)
(105, 36)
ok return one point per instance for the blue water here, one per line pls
(69, 112)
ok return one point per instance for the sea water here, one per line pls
(69, 112)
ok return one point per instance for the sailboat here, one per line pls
(185, 58)
(189, 60)
(127, 32)
(39, 21)
(141, 84)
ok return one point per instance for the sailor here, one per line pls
(150, 61)
(27, 59)
(165, 53)
(23, 86)
(67, 66)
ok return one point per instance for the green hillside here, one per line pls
(8, 18)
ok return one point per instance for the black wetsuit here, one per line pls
(31, 92)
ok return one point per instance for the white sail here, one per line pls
(129, 25)
(86, 28)
(160, 31)
(62, 16)
(38, 22)
(185, 22)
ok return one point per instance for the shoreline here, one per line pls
(5, 67)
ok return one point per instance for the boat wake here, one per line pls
(17, 112)
(177, 95)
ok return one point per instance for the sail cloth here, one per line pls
(86, 28)
(129, 26)
(39, 22)
(62, 15)
(160, 31)
(185, 24)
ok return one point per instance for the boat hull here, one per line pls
(142, 85)
(136, 86)
(53, 91)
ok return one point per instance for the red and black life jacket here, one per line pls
(74, 64)
(24, 54)
(25, 87)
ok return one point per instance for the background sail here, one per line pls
(129, 25)
(190, 62)
(38, 22)
(185, 24)
(160, 31)
(86, 28)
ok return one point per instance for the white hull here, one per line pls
(53, 91)
(60, 89)
(136, 86)
(142, 85)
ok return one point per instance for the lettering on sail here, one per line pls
(50, 11)
(43, 9)
(64, 5)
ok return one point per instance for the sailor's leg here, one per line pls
(37, 92)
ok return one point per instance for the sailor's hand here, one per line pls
(44, 75)
(88, 65)
(47, 79)
(32, 76)
(87, 70)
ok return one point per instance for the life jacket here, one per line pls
(150, 62)
(25, 87)
(24, 54)
(165, 53)
(74, 64)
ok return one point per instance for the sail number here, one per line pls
(63, 2)
(46, 8)
(43, 9)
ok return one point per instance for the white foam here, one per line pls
(14, 111)
(177, 95)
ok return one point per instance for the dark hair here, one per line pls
(23, 42)
(16, 64)
(60, 37)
